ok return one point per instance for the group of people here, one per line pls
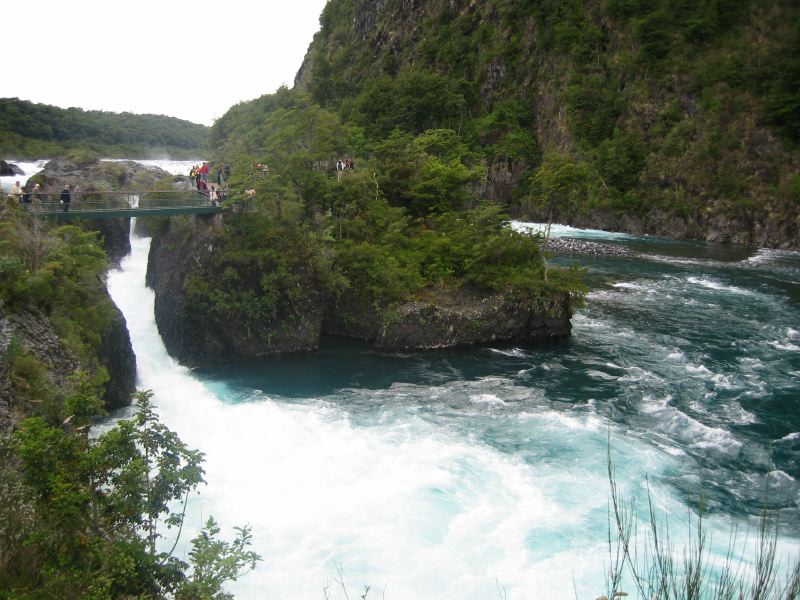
(35, 195)
(344, 165)
(198, 175)
(257, 167)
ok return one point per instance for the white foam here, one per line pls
(778, 478)
(29, 169)
(572, 232)
(514, 352)
(635, 374)
(712, 284)
(486, 399)
(594, 374)
(628, 286)
(785, 346)
(651, 404)
(769, 255)
(174, 167)
(700, 370)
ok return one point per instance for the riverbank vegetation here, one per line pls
(54, 273)
(32, 131)
(651, 566)
(82, 516)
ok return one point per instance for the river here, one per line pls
(482, 473)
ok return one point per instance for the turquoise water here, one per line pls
(483, 472)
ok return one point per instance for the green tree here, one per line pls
(557, 186)
(99, 506)
(215, 561)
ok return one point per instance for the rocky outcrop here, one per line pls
(105, 175)
(32, 333)
(116, 355)
(585, 248)
(116, 237)
(474, 319)
(9, 169)
(197, 334)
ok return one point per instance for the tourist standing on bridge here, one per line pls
(36, 198)
(204, 172)
(16, 190)
(66, 198)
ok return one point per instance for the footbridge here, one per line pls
(116, 204)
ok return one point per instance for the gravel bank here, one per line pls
(585, 247)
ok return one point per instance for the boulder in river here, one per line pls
(9, 169)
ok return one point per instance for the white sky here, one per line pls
(191, 60)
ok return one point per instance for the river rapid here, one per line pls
(482, 473)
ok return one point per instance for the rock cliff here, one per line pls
(474, 319)
(199, 336)
(115, 353)
(30, 332)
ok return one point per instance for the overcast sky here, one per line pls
(191, 60)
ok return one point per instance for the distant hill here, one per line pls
(30, 130)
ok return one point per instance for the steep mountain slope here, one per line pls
(674, 117)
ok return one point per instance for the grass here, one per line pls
(657, 570)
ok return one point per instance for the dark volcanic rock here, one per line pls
(9, 169)
(475, 319)
(33, 333)
(116, 355)
(116, 237)
(197, 336)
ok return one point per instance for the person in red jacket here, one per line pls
(204, 172)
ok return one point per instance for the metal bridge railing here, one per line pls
(91, 201)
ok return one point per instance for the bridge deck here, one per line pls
(121, 204)
(112, 213)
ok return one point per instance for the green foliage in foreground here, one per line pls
(29, 130)
(652, 568)
(82, 516)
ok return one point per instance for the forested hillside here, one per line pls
(675, 117)
(29, 130)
